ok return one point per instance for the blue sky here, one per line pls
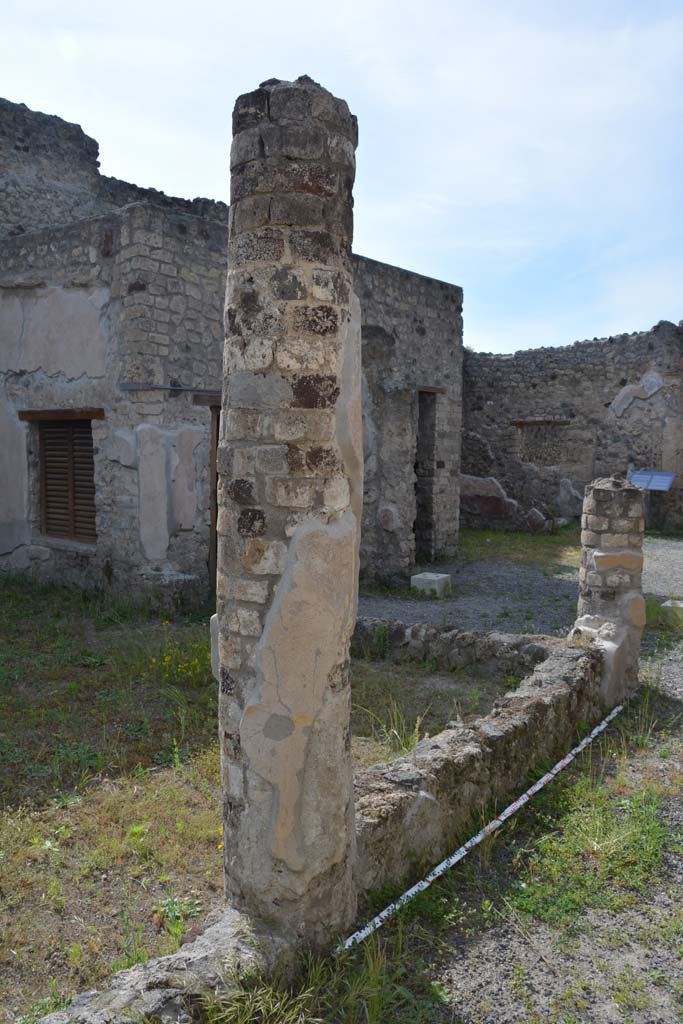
(531, 152)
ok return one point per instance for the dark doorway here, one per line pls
(425, 450)
(213, 540)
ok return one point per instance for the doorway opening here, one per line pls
(213, 539)
(425, 452)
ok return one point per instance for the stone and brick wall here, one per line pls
(120, 313)
(538, 425)
(412, 342)
(611, 609)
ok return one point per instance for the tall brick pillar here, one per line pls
(290, 498)
(611, 606)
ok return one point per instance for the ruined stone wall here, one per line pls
(121, 313)
(124, 287)
(412, 340)
(539, 425)
(49, 175)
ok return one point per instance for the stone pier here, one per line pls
(290, 469)
(611, 608)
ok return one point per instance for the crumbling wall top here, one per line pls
(49, 177)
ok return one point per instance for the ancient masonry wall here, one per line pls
(412, 343)
(49, 176)
(105, 287)
(539, 425)
(120, 313)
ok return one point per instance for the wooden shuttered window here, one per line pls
(67, 479)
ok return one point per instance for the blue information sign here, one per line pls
(651, 479)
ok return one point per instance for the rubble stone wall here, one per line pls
(49, 175)
(415, 810)
(539, 425)
(503, 653)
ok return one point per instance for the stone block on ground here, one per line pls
(436, 583)
(535, 520)
(672, 611)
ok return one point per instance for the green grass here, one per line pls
(109, 772)
(602, 855)
(562, 547)
(89, 692)
(56, 1000)
(95, 872)
(396, 703)
(90, 688)
(102, 880)
(372, 984)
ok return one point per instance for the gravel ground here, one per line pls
(663, 573)
(512, 598)
(616, 967)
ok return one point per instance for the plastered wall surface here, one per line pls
(86, 311)
(539, 425)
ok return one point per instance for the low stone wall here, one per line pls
(504, 653)
(410, 812)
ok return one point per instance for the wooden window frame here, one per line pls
(37, 415)
(76, 505)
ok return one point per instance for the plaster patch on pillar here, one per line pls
(305, 637)
(15, 529)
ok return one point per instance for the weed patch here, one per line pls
(87, 690)
(365, 986)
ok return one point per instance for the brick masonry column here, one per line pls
(611, 605)
(290, 498)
